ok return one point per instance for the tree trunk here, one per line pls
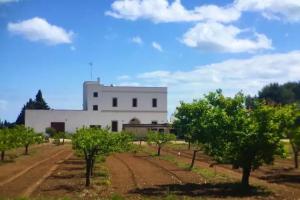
(88, 172)
(63, 141)
(140, 142)
(193, 159)
(158, 150)
(295, 151)
(246, 175)
(296, 159)
(26, 149)
(92, 167)
(189, 147)
(2, 155)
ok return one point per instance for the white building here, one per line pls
(105, 106)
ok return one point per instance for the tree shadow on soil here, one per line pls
(66, 188)
(220, 190)
(286, 175)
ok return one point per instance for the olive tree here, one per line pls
(160, 139)
(94, 141)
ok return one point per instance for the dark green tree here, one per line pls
(286, 93)
(39, 104)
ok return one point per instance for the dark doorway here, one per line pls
(58, 126)
(114, 126)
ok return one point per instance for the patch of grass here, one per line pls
(287, 148)
(117, 197)
(101, 175)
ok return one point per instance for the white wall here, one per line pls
(125, 95)
(41, 119)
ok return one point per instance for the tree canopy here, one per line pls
(281, 94)
(95, 141)
(233, 134)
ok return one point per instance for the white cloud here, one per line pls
(7, 1)
(38, 29)
(249, 75)
(157, 46)
(137, 40)
(161, 11)
(3, 105)
(272, 9)
(213, 36)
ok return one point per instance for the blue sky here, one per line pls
(191, 46)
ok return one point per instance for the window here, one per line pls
(154, 122)
(134, 102)
(114, 126)
(115, 102)
(95, 126)
(95, 107)
(95, 94)
(154, 102)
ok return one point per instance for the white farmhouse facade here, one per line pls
(105, 106)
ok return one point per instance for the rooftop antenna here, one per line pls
(91, 68)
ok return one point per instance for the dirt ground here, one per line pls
(54, 171)
(281, 190)
(281, 172)
(20, 177)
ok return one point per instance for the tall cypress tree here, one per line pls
(38, 104)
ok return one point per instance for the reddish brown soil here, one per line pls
(281, 191)
(143, 175)
(20, 177)
(133, 176)
(66, 181)
(282, 172)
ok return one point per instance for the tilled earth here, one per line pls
(20, 178)
(53, 171)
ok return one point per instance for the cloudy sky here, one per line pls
(191, 46)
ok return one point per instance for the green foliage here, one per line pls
(94, 141)
(7, 141)
(27, 136)
(16, 137)
(233, 134)
(50, 131)
(288, 117)
(160, 139)
(281, 94)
